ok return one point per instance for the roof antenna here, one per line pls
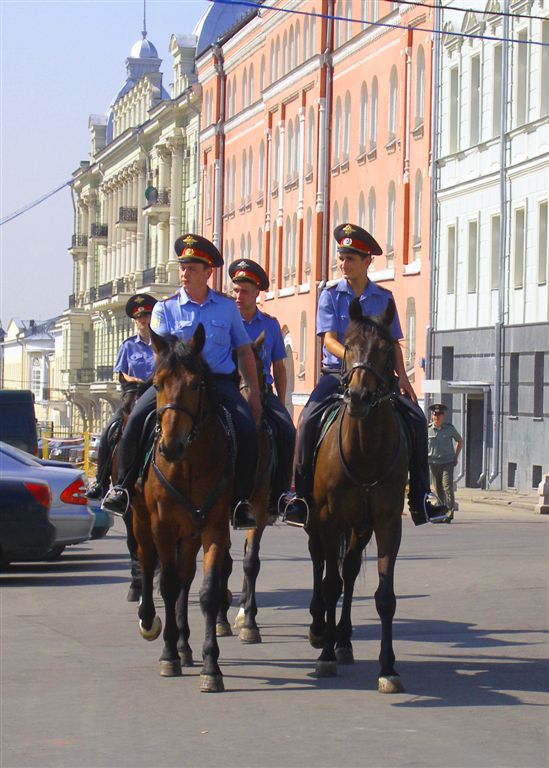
(144, 32)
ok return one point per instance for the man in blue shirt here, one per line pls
(356, 247)
(249, 279)
(134, 365)
(179, 315)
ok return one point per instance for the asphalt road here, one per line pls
(80, 688)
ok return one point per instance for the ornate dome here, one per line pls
(217, 19)
(143, 49)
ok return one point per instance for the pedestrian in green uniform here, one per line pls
(443, 456)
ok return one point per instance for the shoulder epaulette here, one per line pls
(172, 296)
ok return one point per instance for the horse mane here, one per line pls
(359, 328)
(180, 353)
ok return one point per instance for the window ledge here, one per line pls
(304, 288)
(391, 146)
(335, 169)
(345, 166)
(372, 154)
(418, 131)
(512, 417)
(289, 290)
(259, 201)
(361, 158)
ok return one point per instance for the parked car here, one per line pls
(66, 450)
(18, 420)
(104, 520)
(26, 532)
(70, 513)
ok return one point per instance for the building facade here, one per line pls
(314, 114)
(489, 358)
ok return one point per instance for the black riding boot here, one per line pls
(296, 507)
(99, 487)
(118, 498)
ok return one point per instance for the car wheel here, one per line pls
(54, 553)
(99, 533)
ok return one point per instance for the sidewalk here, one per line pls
(513, 499)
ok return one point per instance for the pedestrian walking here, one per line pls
(443, 456)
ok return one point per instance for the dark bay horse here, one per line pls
(245, 620)
(184, 505)
(359, 482)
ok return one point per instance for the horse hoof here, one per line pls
(186, 658)
(223, 629)
(240, 619)
(326, 669)
(170, 668)
(152, 633)
(390, 684)
(344, 655)
(211, 683)
(317, 641)
(247, 635)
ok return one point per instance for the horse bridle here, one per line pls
(197, 418)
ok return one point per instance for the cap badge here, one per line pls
(347, 241)
(242, 264)
(348, 230)
(139, 299)
(190, 240)
(188, 252)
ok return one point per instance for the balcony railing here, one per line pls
(158, 197)
(85, 375)
(105, 291)
(128, 215)
(149, 276)
(79, 241)
(99, 230)
(120, 285)
(93, 293)
(104, 373)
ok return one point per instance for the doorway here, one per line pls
(474, 441)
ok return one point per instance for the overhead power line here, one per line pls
(441, 7)
(389, 25)
(30, 206)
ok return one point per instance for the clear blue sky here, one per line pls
(61, 61)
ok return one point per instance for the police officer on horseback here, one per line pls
(355, 250)
(179, 315)
(134, 365)
(249, 279)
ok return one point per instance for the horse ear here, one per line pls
(258, 343)
(355, 310)
(198, 340)
(159, 343)
(389, 315)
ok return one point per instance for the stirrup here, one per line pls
(115, 510)
(441, 516)
(289, 499)
(249, 522)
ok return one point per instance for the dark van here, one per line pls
(17, 419)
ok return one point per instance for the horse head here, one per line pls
(369, 359)
(182, 381)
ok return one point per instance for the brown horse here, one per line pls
(359, 482)
(184, 505)
(245, 620)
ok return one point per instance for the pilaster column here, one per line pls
(141, 221)
(280, 214)
(268, 179)
(301, 162)
(176, 144)
(321, 165)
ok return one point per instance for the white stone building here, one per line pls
(489, 350)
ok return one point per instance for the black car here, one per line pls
(26, 532)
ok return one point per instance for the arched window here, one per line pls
(274, 255)
(310, 140)
(302, 345)
(227, 260)
(290, 150)
(338, 23)
(262, 75)
(296, 147)
(285, 64)
(391, 202)
(261, 174)
(273, 63)
(244, 102)
(333, 255)
(349, 23)
(306, 39)
(337, 133)
(364, 11)
(243, 247)
(251, 95)
(308, 242)
(259, 253)
(233, 183)
(294, 248)
(420, 87)
(375, 10)
(393, 101)
(233, 107)
(249, 246)
(347, 127)
(371, 212)
(373, 117)
(229, 99)
(276, 157)
(418, 199)
(250, 176)
(227, 191)
(287, 251)
(410, 349)
(361, 211)
(345, 211)
(291, 50)
(277, 59)
(243, 179)
(363, 132)
(312, 46)
(297, 45)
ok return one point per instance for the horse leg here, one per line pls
(170, 587)
(188, 551)
(211, 679)
(331, 590)
(350, 570)
(249, 631)
(317, 608)
(388, 542)
(222, 626)
(150, 625)
(240, 616)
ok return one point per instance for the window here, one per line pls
(543, 252)
(361, 211)
(373, 117)
(472, 257)
(539, 358)
(274, 255)
(262, 75)
(393, 97)
(375, 10)
(451, 261)
(521, 92)
(333, 255)
(544, 90)
(285, 58)
(363, 118)
(233, 184)
(297, 45)
(308, 242)
(261, 173)
(302, 345)
(291, 50)
(345, 211)
(36, 378)
(310, 140)
(338, 23)
(349, 23)
(511, 474)
(420, 87)
(519, 243)
(244, 102)
(306, 39)
(250, 175)
(243, 178)
(337, 133)
(233, 106)
(288, 250)
(272, 59)
(495, 224)
(277, 59)
(536, 475)
(347, 127)
(513, 383)
(410, 334)
(276, 157)
(496, 92)
(251, 86)
(259, 254)
(290, 152)
(418, 201)
(474, 128)
(453, 110)
(391, 202)
(371, 212)
(229, 99)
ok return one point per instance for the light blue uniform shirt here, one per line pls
(273, 348)
(179, 315)
(333, 313)
(136, 358)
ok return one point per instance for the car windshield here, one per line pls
(18, 455)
